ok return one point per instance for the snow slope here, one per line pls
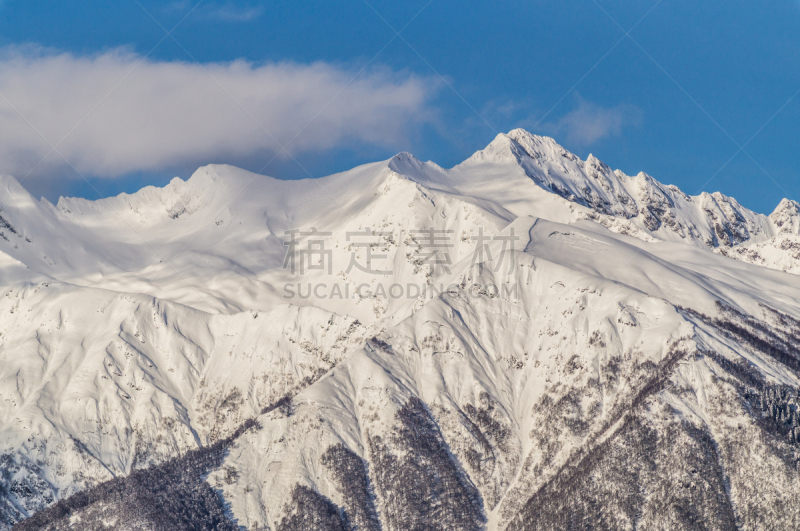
(619, 348)
(516, 387)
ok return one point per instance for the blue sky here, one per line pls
(698, 94)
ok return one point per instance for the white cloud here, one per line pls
(165, 114)
(227, 12)
(587, 122)
(233, 13)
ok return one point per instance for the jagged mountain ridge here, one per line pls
(132, 232)
(635, 319)
(712, 220)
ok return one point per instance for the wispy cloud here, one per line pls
(227, 12)
(588, 123)
(233, 13)
(173, 113)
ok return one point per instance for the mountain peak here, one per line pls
(412, 168)
(517, 144)
(12, 190)
(536, 146)
(501, 149)
(786, 217)
(403, 160)
(523, 136)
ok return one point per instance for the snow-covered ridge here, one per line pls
(665, 212)
(134, 232)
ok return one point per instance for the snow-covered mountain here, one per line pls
(524, 341)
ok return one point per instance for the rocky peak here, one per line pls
(786, 217)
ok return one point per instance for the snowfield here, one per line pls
(524, 341)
